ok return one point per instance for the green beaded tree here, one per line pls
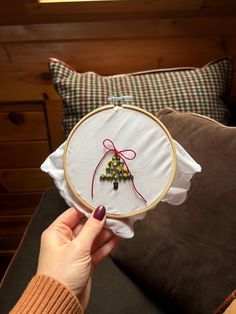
(116, 171)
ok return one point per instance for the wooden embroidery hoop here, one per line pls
(153, 204)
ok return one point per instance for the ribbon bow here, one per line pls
(111, 148)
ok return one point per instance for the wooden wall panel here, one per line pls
(218, 4)
(26, 86)
(112, 6)
(55, 128)
(24, 180)
(15, 12)
(27, 72)
(3, 55)
(13, 225)
(105, 58)
(22, 126)
(23, 154)
(9, 243)
(115, 56)
(14, 204)
(168, 27)
(230, 42)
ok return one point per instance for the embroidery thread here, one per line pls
(110, 147)
(116, 171)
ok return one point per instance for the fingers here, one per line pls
(103, 251)
(79, 227)
(71, 217)
(91, 229)
(105, 236)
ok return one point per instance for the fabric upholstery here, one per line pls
(185, 255)
(202, 90)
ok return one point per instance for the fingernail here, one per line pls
(99, 212)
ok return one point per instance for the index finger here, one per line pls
(71, 217)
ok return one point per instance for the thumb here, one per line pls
(91, 229)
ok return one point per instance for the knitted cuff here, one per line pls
(46, 295)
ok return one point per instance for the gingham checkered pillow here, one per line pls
(200, 90)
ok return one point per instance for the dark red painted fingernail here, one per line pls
(99, 212)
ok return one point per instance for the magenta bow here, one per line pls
(122, 155)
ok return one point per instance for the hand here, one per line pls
(71, 248)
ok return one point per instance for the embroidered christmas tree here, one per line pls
(116, 171)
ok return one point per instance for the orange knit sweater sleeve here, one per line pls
(46, 295)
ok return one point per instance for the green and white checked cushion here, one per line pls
(200, 90)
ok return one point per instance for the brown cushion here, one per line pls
(202, 90)
(186, 254)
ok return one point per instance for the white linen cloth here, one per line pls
(154, 158)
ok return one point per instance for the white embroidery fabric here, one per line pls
(85, 153)
(186, 167)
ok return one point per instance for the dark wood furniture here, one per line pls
(25, 141)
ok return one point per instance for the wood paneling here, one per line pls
(10, 242)
(21, 106)
(14, 204)
(5, 257)
(111, 46)
(11, 231)
(15, 12)
(118, 56)
(23, 180)
(107, 56)
(54, 115)
(23, 154)
(230, 42)
(219, 4)
(21, 125)
(18, 124)
(26, 86)
(112, 6)
(3, 54)
(13, 225)
(174, 27)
